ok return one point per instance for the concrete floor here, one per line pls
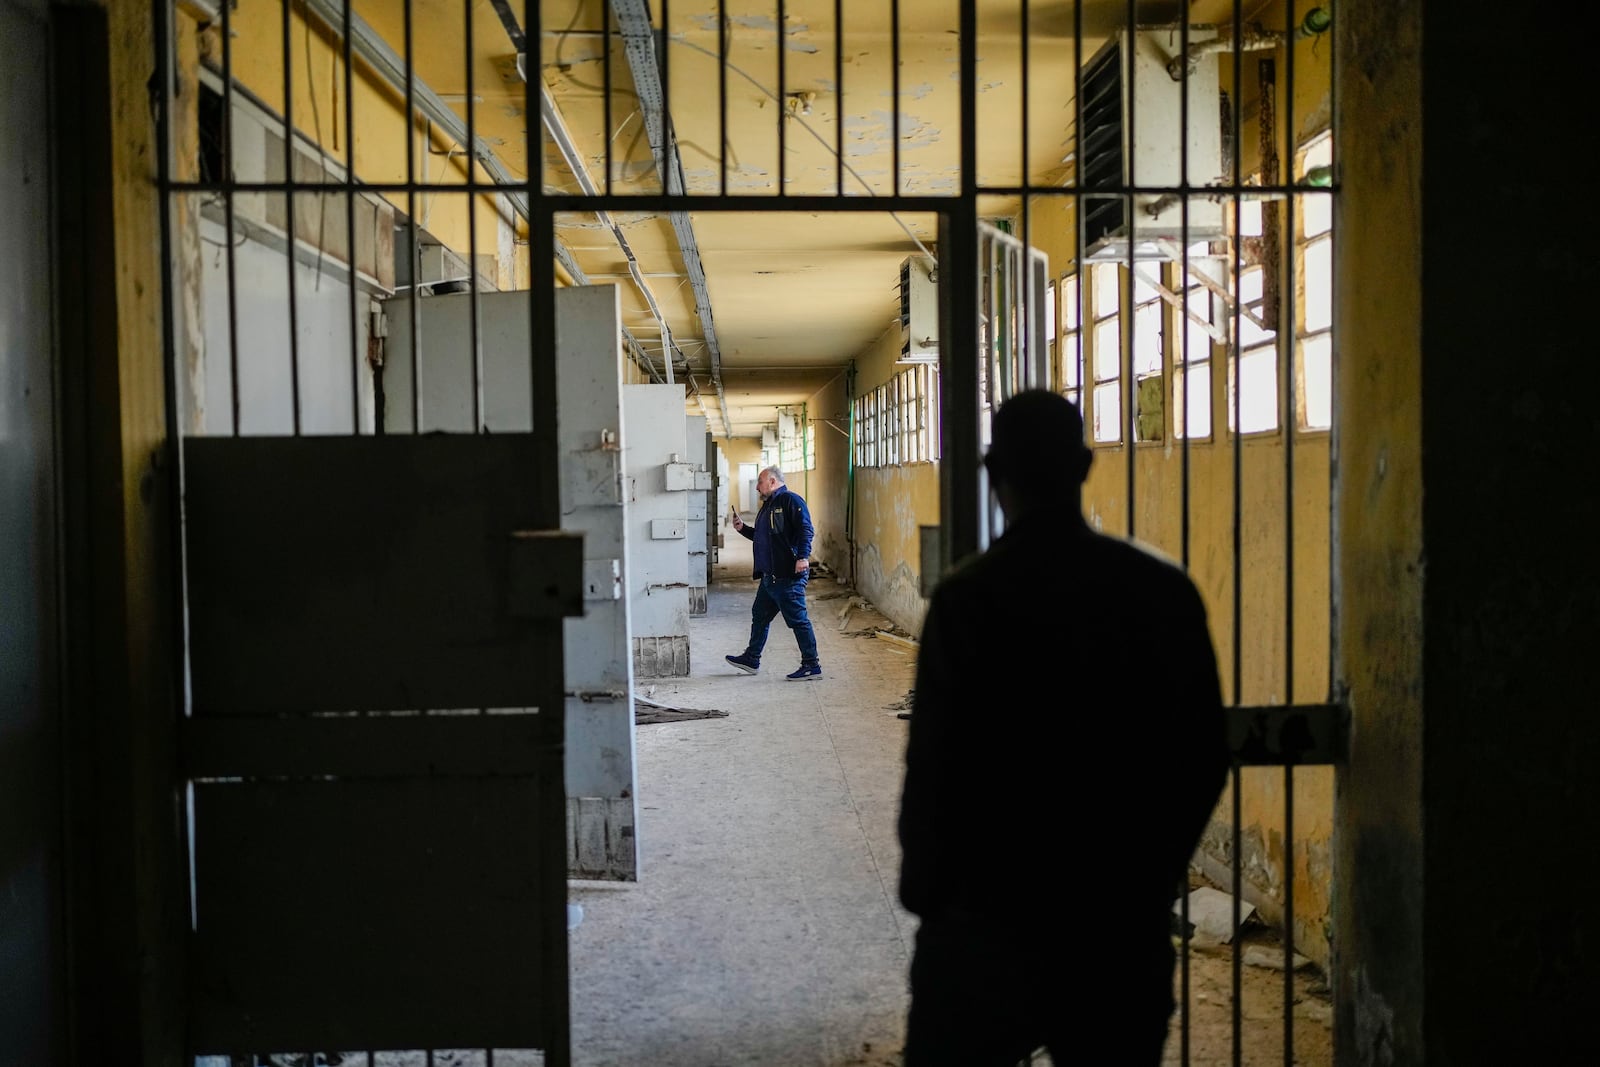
(764, 927)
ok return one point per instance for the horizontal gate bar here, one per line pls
(1278, 735)
(469, 745)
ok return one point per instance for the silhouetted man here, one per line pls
(1066, 717)
(782, 535)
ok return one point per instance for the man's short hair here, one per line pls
(777, 475)
(1037, 435)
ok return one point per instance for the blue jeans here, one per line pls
(787, 597)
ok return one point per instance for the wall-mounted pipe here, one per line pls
(1252, 39)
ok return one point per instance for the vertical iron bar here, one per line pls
(547, 516)
(1237, 368)
(838, 96)
(1029, 296)
(1291, 428)
(783, 109)
(1334, 570)
(413, 305)
(894, 96)
(1080, 289)
(958, 360)
(724, 43)
(474, 337)
(227, 179)
(1185, 473)
(1131, 291)
(350, 222)
(665, 163)
(605, 82)
(291, 233)
(994, 333)
(1186, 501)
(1238, 874)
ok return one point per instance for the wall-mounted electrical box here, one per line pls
(668, 529)
(919, 310)
(680, 476)
(1134, 134)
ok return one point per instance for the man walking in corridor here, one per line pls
(782, 536)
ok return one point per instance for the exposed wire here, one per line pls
(680, 39)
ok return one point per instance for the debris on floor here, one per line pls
(1272, 959)
(850, 605)
(898, 636)
(1211, 913)
(902, 707)
(647, 711)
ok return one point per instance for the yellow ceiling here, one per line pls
(794, 296)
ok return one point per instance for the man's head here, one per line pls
(1036, 449)
(769, 481)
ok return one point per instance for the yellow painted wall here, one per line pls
(378, 123)
(890, 504)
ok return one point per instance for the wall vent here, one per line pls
(919, 310)
(1128, 77)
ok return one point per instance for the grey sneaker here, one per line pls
(744, 663)
(806, 672)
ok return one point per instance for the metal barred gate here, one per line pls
(351, 766)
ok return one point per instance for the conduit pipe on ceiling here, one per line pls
(639, 46)
(556, 125)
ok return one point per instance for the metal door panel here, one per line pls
(602, 793)
(659, 584)
(367, 573)
(366, 914)
(443, 364)
(367, 873)
(695, 437)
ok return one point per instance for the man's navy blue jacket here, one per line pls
(782, 534)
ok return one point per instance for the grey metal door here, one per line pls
(659, 480)
(374, 745)
(602, 790)
(695, 438)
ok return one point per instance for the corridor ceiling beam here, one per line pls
(639, 39)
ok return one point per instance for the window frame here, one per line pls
(1313, 150)
(1098, 384)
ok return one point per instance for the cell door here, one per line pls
(659, 479)
(375, 742)
(695, 438)
(602, 790)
